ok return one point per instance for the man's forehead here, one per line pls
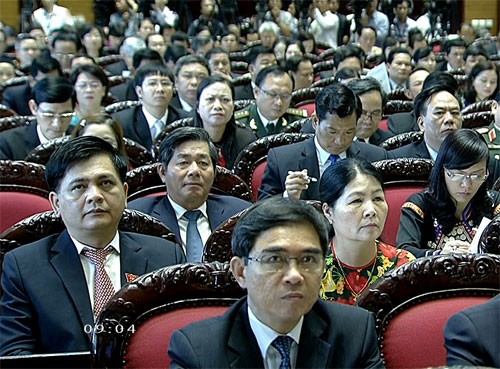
(190, 147)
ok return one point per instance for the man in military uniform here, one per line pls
(492, 133)
(270, 114)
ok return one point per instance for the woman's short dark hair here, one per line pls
(460, 150)
(102, 119)
(87, 28)
(336, 178)
(95, 71)
(470, 93)
(275, 212)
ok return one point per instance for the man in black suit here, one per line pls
(154, 85)
(17, 97)
(54, 288)
(188, 163)
(472, 338)
(294, 170)
(258, 58)
(454, 55)
(279, 247)
(52, 104)
(372, 99)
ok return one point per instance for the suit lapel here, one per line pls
(166, 213)
(310, 341)
(67, 265)
(243, 350)
(131, 259)
(142, 128)
(254, 114)
(309, 160)
(215, 213)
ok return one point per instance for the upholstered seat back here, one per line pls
(16, 206)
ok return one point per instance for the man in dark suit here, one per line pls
(294, 170)
(17, 97)
(190, 70)
(454, 55)
(188, 159)
(472, 338)
(258, 58)
(52, 104)
(154, 84)
(281, 323)
(270, 113)
(372, 99)
(53, 289)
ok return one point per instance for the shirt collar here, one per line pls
(266, 335)
(151, 119)
(179, 210)
(324, 155)
(115, 244)
(264, 120)
(185, 105)
(432, 153)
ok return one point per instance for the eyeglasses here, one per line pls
(374, 115)
(459, 177)
(91, 85)
(274, 95)
(64, 55)
(276, 263)
(50, 115)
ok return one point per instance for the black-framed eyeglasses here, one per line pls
(274, 95)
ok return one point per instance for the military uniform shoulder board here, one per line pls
(299, 112)
(241, 114)
(492, 135)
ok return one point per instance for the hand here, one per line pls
(455, 247)
(296, 182)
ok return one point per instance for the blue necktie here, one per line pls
(333, 158)
(283, 344)
(157, 129)
(194, 243)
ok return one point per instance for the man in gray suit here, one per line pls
(54, 288)
(279, 247)
(188, 166)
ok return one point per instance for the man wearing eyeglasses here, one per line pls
(279, 246)
(52, 104)
(270, 114)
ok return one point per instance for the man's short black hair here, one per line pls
(363, 86)
(146, 54)
(348, 51)
(275, 70)
(274, 212)
(456, 42)
(337, 99)
(423, 98)
(44, 63)
(152, 70)
(184, 134)
(53, 90)
(254, 52)
(397, 50)
(77, 150)
(190, 59)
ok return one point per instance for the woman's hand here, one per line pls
(455, 247)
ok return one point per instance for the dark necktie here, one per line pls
(271, 128)
(103, 287)
(194, 243)
(283, 344)
(333, 158)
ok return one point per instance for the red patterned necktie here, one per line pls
(103, 287)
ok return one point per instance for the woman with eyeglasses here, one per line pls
(444, 218)
(91, 87)
(214, 113)
(352, 194)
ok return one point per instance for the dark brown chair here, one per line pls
(328, 54)
(242, 80)
(296, 125)
(481, 106)
(5, 111)
(402, 139)
(136, 153)
(117, 80)
(489, 241)
(238, 56)
(145, 181)
(477, 119)
(134, 329)
(251, 162)
(397, 106)
(323, 66)
(23, 191)
(16, 121)
(397, 94)
(66, 360)
(241, 104)
(183, 122)
(16, 81)
(108, 59)
(240, 67)
(305, 98)
(402, 178)
(413, 302)
(324, 82)
(121, 105)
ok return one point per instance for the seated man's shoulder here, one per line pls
(232, 202)
(146, 204)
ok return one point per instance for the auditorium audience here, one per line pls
(444, 218)
(352, 194)
(188, 166)
(53, 289)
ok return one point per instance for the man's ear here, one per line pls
(162, 172)
(125, 189)
(251, 69)
(32, 106)
(315, 120)
(54, 202)
(238, 268)
(420, 122)
(138, 91)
